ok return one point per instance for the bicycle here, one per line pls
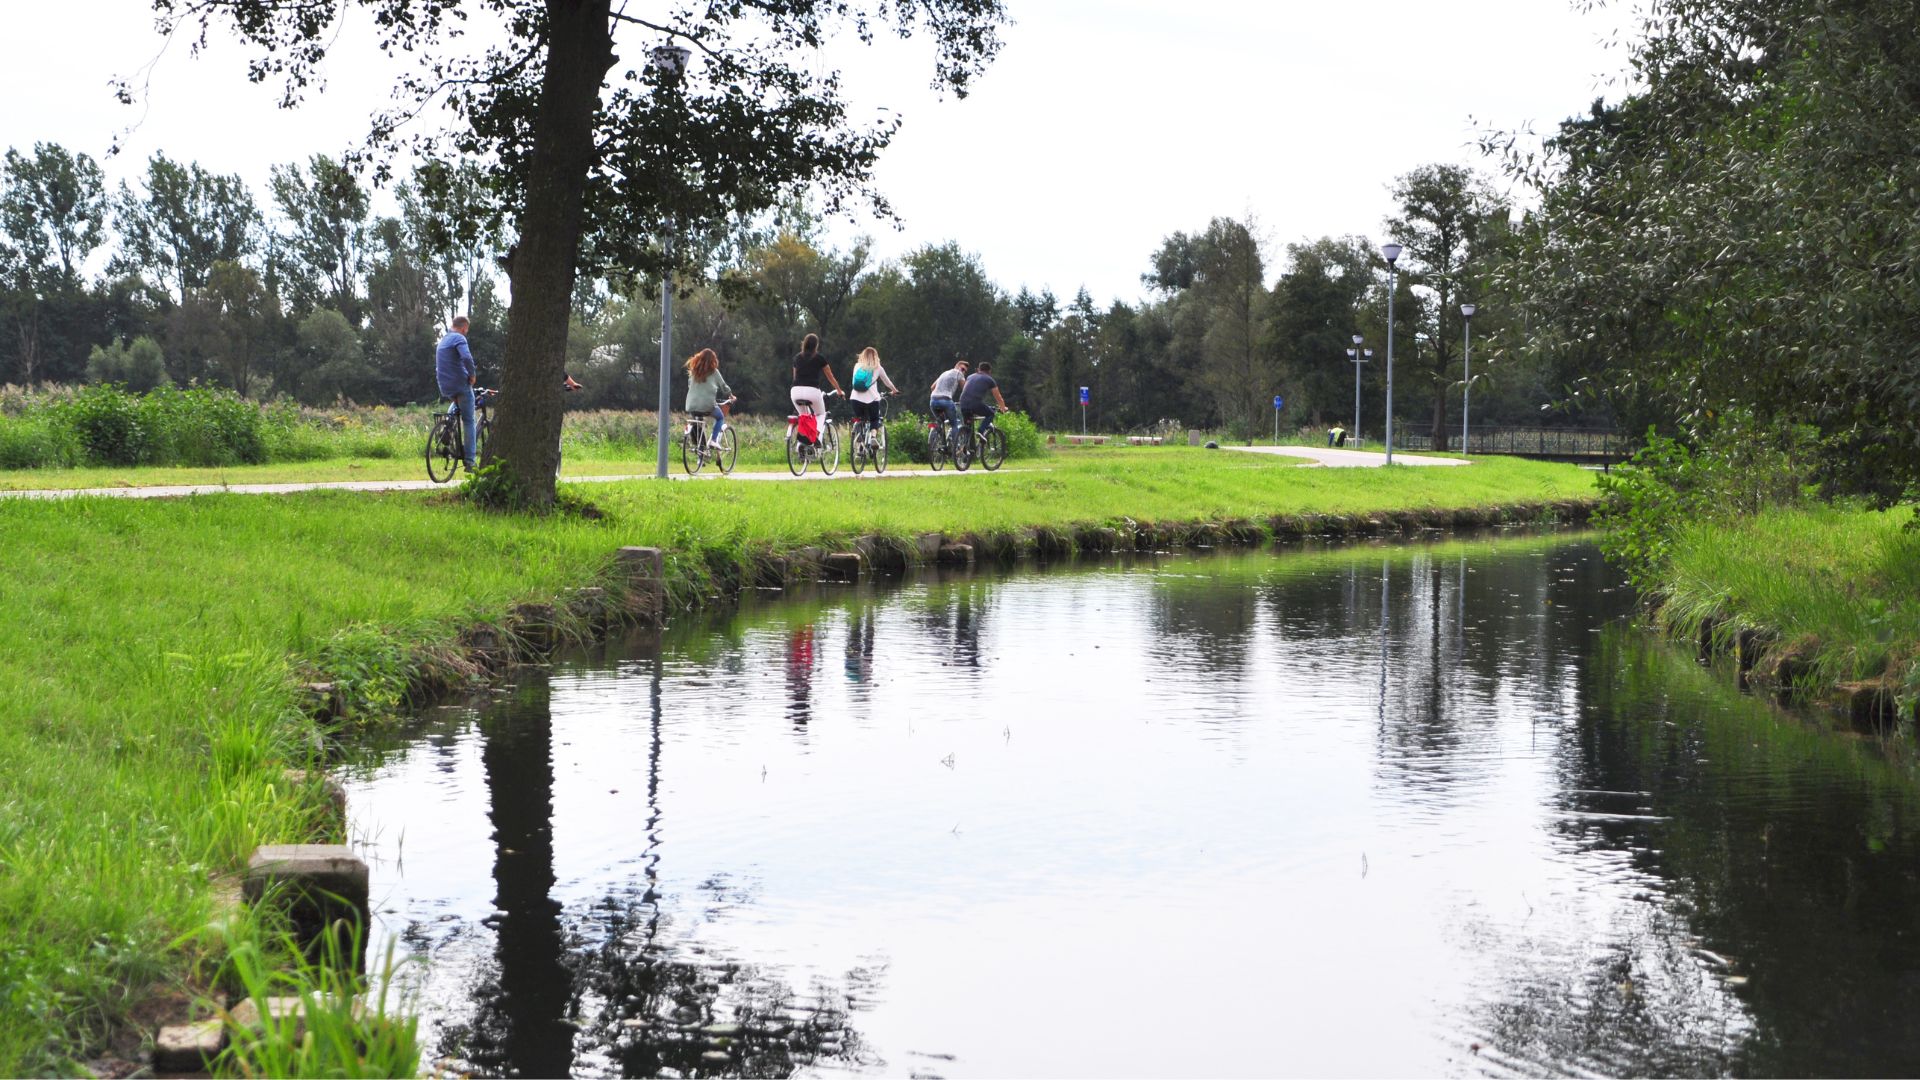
(870, 441)
(696, 449)
(447, 439)
(987, 445)
(825, 449)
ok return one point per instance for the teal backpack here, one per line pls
(862, 378)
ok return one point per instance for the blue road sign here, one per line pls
(1278, 401)
(1085, 396)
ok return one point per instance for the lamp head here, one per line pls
(671, 60)
(1466, 311)
(1391, 252)
(1349, 353)
(1356, 340)
(1369, 353)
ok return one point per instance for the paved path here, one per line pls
(172, 491)
(1344, 459)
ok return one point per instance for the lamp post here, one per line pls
(1466, 375)
(671, 62)
(1354, 354)
(1392, 254)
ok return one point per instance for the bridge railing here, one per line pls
(1597, 444)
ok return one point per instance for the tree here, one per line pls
(1312, 320)
(1218, 296)
(332, 365)
(186, 221)
(52, 211)
(139, 367)
(600, 167)
(1443, 223)
(326, 212)
(226, 327)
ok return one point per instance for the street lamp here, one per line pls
(1358, 357)
(1466, 375)
(671, 62)
(1392, 254)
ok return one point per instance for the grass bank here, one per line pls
(150, 697)
(1823, 597)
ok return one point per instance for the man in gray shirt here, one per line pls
(943, 405)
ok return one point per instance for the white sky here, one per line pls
(1104, 126)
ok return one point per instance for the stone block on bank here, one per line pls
(956, 554)
(188, 1047)
(841, 566)
(324, 887)
(646, 572)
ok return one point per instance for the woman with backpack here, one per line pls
(868, 378)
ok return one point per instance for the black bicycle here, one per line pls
(986, 444)
(870, 441)
(447, 439)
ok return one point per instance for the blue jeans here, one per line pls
(463, 404)
(719, 422)
(944, 409)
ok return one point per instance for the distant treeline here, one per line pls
(188, 277)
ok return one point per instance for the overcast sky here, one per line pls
(1104, 125)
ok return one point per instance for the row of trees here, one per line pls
(1739, 235)
(187, 277)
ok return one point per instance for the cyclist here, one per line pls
(868, 378)
(973, 396)
(808, 367)
(454, 370)
(942, 405)
(707, 391)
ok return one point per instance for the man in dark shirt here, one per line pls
(973, 396)
(454, 370)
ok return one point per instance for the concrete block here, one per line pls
(842, 566)
(927, 546)
(325, 889)
(956, 554)
(191, 1047)
(538, 625)
(254, 1013)
(646, 572)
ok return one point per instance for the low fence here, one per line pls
(1597, 445)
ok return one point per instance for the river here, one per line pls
(1355, 810)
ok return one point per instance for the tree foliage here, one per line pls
(1744, 231)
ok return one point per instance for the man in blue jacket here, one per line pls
(453, 368)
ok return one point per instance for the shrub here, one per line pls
(107, 424)
(1023, 436)
(1739, 468)
(34, 442)
(204, 426)
(907, 437)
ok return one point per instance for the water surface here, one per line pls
(1372, 810)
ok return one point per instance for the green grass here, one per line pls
(1844, 580)
(148, 693)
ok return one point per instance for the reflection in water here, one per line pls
(1453, 816)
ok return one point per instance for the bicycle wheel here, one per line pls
(993, 449)
(443, 449)
(796, 454)
(963, 450)
(880, 449)
(484, 434)
(936, 446)
(724, 450)
(829, 449)
(858, 446)
(692, 456)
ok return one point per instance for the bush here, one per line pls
(1023, 436)
(907, 437)
(204, 426)
(1740, 468)
(34, 443)
(107, 424)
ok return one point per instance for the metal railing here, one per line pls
(1562, 444)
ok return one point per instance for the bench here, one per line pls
(1143, 440)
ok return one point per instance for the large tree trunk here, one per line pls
(526, 439)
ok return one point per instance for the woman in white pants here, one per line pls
(808, 367)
